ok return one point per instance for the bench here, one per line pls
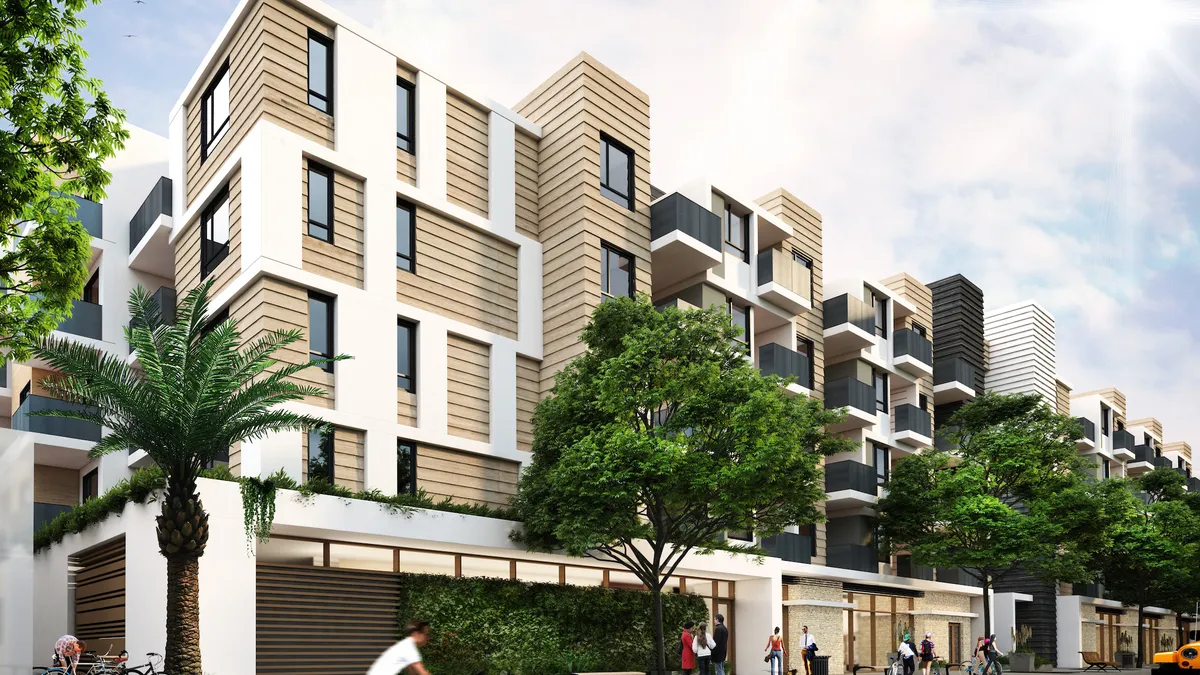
(858, 668)
(1093, 660)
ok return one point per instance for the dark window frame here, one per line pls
(331, 307)
(411, 489)
(881, 392)
(210, 255)
(210, 138)
(608, 143)
(879, 305)
(320, 169)
(325, 447)
(809, 351)
(408, 140)
(327, 98)
(811, 533)
(881, 478)
(923, 402)
(91, 289)
(408, 263)
(94, 474)
(920, 330)
(806, 261)
(727, 225)
(607, 249)
(412, 356)
(25, 392)
(1105, 419)
(729, 305)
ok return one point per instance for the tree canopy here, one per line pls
(57, 127)
(661, 437)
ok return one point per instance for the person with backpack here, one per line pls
(907, 655)
(703, 645)
(687, 657)
(990, 653)
(775, 652)
(927, 653)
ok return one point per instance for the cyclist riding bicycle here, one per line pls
(67, 651)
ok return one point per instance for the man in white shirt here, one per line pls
(807, 641)
(404, 654)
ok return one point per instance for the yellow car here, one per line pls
(1186, 657)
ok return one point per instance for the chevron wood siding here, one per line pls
(466, 478)
(1062, 399)
(342, 260)
(527, 400)
(348, 457)
(55, 485)
(527, 185)
(468, 401)
(406, 162)
(466, 155)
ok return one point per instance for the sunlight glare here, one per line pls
(1136, 27)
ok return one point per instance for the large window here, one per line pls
(320, 72)
(91, 485)
(883, 465)
(881, 391)
(740, 316)
(616, 273)
(406, 236)
(320, 202)
(214, 111)
(616, 172)
(880, 305)
(320, 455)
(406, 468)
(214, 233)
(805, 347)
(406, 138)
(737, 233)
(406, 355)
(320, 329)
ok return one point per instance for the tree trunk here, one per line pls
(660, 647)
(183, 616)
(1141, 633)
(987, 604)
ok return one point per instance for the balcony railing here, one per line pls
(164, 297)
(24, 420)
(775, 359)
(790, 547)
(157, 203)
(909, 417)
(1089, 428)
(86, 320)
(846, 308)
(908, 342)
(90, 215)
(948, 575)
(851, 475)
(778, 266)
(676, 213)
(954, 369)
(1122, 440)
(1092, 590)
(853, 557)
(44, 513)
(1161, 463)
(850, 393)
(1193, 484)
(906, 568)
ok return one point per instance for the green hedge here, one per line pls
(501, 626)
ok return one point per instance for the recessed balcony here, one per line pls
(912, 353)
(685, 239)
(1087, 441)
(86, 320)
(1123, 445)
(150, 250)
(775, 359)
(905, 568)
(24, 420)
(850, 483)
(953, 381)
(858, 399)
(914, 427)
(789, 547)
(849, 324)
(784, 281)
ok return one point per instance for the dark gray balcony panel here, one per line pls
(678, 213)
(958, 324)
(164, 297)
(853, 557)
(851, 475)
(1161, 463)
(157, 203)
(846, 308)
(1089, 429)
(956, 576)
(905, 568)
(90, 214)
(1092, 590)
(946, 371)
(775, 359)
(1143, 453)
(24, 420)
(1122, 440)
(1193, 484)
(909, 417)
(44, 513)
(848, 392)
(790, 547)
(908, 342)
(86, 320)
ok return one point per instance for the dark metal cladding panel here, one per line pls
(958, 323)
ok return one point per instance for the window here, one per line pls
(923, 402)
(216, 320)
(320, 329)
(805, 348)
(740, 535)
(405, 114)
(616, 172)
(1120, 425)
(220, 458)
(804, 265)
(740, 316)
(406, 355)
(881, 391)
(214, 233)
(320, 455)
(920, 330)
(882, 465)
(91, 485)
(737, 233)
(91, 290)
(1104, 466)
(809, 531)
(1147, 440)
(616, 273)
(1105, 415)
(880, 305)
(214, 111)
(406, 468)
(406, 236)
(320, 72)
(320, 202)
(25, 393)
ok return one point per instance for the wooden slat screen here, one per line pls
(324, 621)
(100, 596)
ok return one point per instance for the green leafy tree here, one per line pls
(1011, 495)
(661, 437)
(57, 127)
(199, 391)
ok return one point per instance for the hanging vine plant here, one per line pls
(258, 505)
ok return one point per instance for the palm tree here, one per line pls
(199, 391)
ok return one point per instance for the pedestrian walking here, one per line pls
(927, 653)
(405, 655)
(721, 651)
(907, 655)
(703, 644)
(977, 658)
(775, 652)
(808, 649)
(687, 655)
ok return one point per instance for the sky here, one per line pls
(1047, 150)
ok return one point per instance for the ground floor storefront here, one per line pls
(1087, 624)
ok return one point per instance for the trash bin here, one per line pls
(820, 665)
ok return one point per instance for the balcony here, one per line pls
(912, 353)
(905, 568)
(857, 398)
(90, 215)
(850, 483)
(775, 359)
(913, 426)
(164, 297)
(1193, 484)
(1123, 445)
(853, 557)
(1143, 458)
(849, 324)
(86, 320)
(955, 575)
(784, 281)
(1161, 463)
(1088, 440)
(953, 381)
(24, 420)
(685, 239)
(1092, 590)
(790, 547)
(44, 513)
(149, 231)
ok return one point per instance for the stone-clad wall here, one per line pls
(927, 616)
(825, 623)
(1088, 639)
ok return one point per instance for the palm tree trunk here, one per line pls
(183, 615)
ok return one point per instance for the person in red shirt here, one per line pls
(688, 655)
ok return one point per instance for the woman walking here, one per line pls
(775, 652)
(907, 655)
(703, 644)
(927, 653)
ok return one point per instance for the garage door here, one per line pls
(100, 596)
(323, 621)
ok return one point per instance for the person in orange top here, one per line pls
(775, 652)
(688, 655)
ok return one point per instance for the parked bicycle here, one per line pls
(148, 668)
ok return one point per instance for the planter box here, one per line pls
(1020, 663)
(1125, 659)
